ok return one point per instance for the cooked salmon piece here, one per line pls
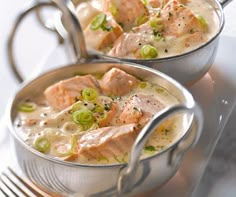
(179, 19)
(128, 45)
(66, 92)
(116, 82)
(85, 13)
(139, 108)
(126, 13)
(161, 3)
(101, 38)
(107, 141)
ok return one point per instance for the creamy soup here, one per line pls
(91, 119)
(146, 29)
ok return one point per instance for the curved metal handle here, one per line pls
(224, 2)
(190, 140)
(125, 180)
(49, 26)
(72, 26)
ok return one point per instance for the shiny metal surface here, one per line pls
(224, 2)
(69, 178)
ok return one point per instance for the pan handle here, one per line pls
(72, 25)
(125, 180)
(224, 2)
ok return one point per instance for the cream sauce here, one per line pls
(58, 126)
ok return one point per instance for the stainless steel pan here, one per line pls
(186, 68)
(138, 175)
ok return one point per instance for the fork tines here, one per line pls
(12, 184)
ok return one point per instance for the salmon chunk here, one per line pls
(64, 93)
(101, 38)
(140, 108)
(117, 82)
(107, 142)
(129, 44)
(161, 3)
(126, 12)
(179, 19)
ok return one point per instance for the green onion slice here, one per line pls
(98, 21)
(143, 85)
(99, 108)
(89, 94)
(156, 23)
(141, 20)
(83, 117)
(148, 52)
(77, 106)
(42, 144)
(203, 22)
(26, 107)
(150, 149)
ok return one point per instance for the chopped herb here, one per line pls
(167, 131)
(137, 109)
(150, 148)
(170, 15)
(156, 33)
(141, 20)
(107, 28)
(143, 85)
(191, 31)
(107, 106)
(121, 24)
(100, 22)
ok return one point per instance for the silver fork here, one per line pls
(11, 184)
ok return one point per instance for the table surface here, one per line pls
(30, 54)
